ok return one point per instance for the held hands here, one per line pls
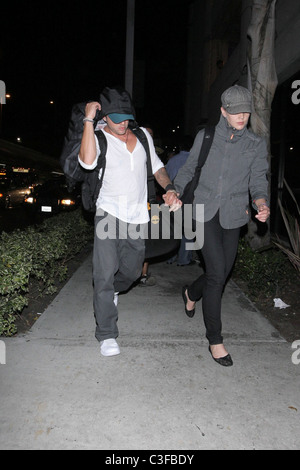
(263, 212)
(171, 200)
(91, 109)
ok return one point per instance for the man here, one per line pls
(237, 162)
(122, 202)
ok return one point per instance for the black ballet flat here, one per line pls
(190, 313)
(225, 361)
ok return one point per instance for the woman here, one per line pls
(236, 164)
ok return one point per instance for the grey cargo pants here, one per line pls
(117, 263)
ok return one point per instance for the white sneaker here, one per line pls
(116, 298)
(109, 347)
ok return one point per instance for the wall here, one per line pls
(203, 102)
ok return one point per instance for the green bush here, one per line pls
(39, 252)
(261, 271)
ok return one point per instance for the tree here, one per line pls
(262, 81)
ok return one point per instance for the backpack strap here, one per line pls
(187, 196)
(91, 184)
(101, 164)
(209, 133)
(140, 134)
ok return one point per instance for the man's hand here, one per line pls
(91, 109)
(171, 200)
(88, 151)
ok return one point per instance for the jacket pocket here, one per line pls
(239, 207)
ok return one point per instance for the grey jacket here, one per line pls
(236, 164)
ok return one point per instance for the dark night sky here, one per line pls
(68, 51)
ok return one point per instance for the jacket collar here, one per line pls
(225, 130)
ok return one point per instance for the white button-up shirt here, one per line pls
(124, 189)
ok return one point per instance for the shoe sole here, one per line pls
(110, 354)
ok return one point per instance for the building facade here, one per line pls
(218, 50)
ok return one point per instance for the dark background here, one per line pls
(69, 51)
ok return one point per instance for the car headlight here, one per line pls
(67, 202)
(29, 200)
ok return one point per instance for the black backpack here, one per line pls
(90, 181)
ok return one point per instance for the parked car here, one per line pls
(52, 197)
(17, 194)
(4, 194)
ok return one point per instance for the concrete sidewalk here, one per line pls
(163, 391)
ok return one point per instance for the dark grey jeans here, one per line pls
(219, 252)
(117, 263)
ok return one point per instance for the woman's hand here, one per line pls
(263, 212)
